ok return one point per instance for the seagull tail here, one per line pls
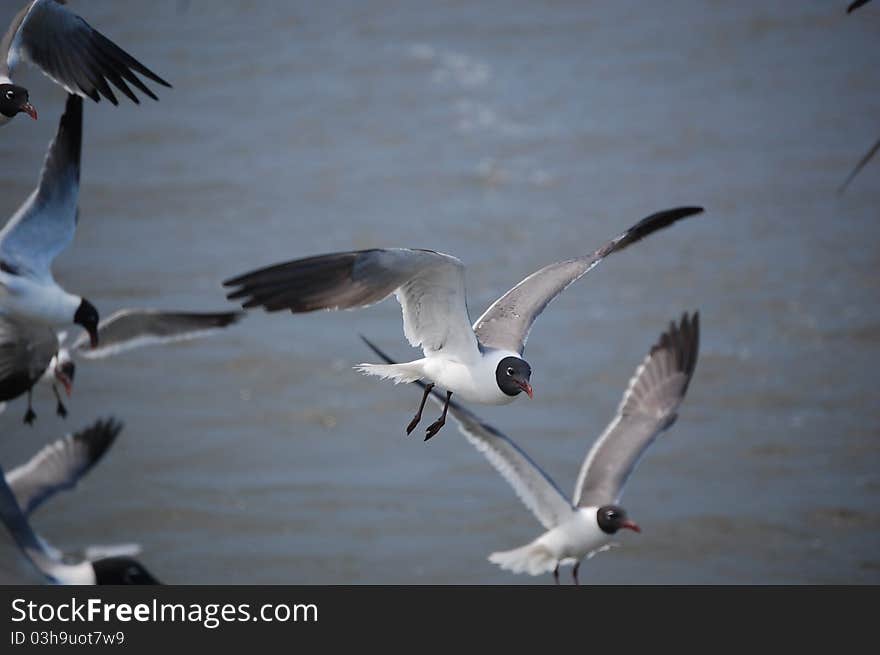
(407, 372)
(534, 558)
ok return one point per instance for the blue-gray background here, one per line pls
(510, 134)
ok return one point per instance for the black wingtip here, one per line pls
(855, 5)
(99, 436)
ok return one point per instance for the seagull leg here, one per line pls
(556, 574)
(418, 417)
(434, 428)
(574, 573)
(30, 415)
(61, 410)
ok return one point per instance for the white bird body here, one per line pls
(39, 299)
(473, 377)
(567, 544)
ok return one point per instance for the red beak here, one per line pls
(525, 386)
(30, 110)
(65, 382)
(631, 525)
(93, 339)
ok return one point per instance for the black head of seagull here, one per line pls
(612, 518)
(512, 376)
(122, 570)
(87, 317)
(15, 100)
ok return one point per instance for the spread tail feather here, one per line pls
(407, 372)
(534, 558)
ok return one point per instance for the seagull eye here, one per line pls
(510, 370)
(10, 95)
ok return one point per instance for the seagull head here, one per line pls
(65, 369)
(121, 570)
(612, 518)
(512, 375)
(15, 100)
(87, 317)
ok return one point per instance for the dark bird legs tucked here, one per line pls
(60, 409)
(434, 428)
(418, 417)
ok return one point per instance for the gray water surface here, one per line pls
(511, 134)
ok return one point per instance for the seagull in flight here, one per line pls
(26, 349)
(56, 467)
(71, 53)
(481, 363)
(585, 525)
(39, 230)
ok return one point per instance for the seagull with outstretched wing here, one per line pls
(57, 467)
(480, 363)
(584, 525)
(70, 52)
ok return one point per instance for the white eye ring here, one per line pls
(10, 95)
(510, 370)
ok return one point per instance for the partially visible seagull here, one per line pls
(71, 53)
(41, 228)
(58, 467)
(585, 525)
(27, 349)
(24, 350)
(481, 363)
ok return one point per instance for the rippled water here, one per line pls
(512, 135)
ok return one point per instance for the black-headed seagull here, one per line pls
(56, 467)
(585, 525)
(480, 363)
(70, 52)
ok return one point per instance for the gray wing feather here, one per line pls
(75, 55)
(6, 53)
(506, 323)
(532, 485)
(26, 349)
(648, 408)
(61, 464)
(133, 328)
(44, 225)
(429, 286)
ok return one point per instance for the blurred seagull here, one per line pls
(481, 363)
(41, 228)
(58, 467)
(70, 52)
(585, 525)
(25, 349)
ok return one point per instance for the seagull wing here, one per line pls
(61, 464)
(134, 328)
(507, 322)
(44, 225)
(73, 54)
(429, 286)
(648, 408)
